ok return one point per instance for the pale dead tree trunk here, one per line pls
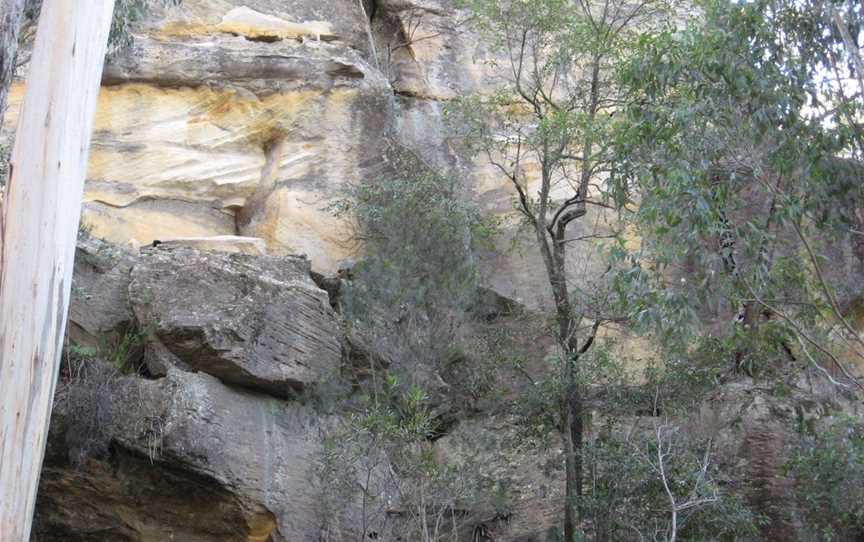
(38, 231)
(698, 495)
(11, 12)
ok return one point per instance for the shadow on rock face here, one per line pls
(126, 498)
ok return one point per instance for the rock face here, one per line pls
(191, 460)
(225, 130)
(207, 448)
(210, 440)
(258, 322)
(249, 117)
(756, 431)
(429, 53)
(235, 117)
(100, 299)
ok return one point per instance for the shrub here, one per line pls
(626, 498)
(473, 366)
(87, 404)
(378, 472)
(418, 277)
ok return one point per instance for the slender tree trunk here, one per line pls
(570, 407)
(37, 239)
(572, 419)
(572, 469)
(11, 13)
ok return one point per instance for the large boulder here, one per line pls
(253, 321)
(187, 455)
(191, 459)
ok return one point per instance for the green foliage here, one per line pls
(562, 56)
(418, 276)
(652, 304)
(123, 351)
(829, 474)
(77, 354)
(415, 225)
(474, 365)
(404, 305)
(555, 113)
(731, 167)
(624, 497)
(601, 380)
(547, 133)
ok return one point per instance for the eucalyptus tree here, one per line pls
(38, 228)
(37, 232)
(546, 134)
(742, 144)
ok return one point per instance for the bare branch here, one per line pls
(800, 333)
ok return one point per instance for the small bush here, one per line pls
(87, 405)
(473, 366)
(418, 277)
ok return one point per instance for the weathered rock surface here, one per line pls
(219, 243)
(756, 430)
(428, 50)
(191, 456)
(534, 480)
(211, 450)
(248, 117)
(257, 322)
(191, 460)
(99, 304)
(235, 117)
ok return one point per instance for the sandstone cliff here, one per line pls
(222, 135)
